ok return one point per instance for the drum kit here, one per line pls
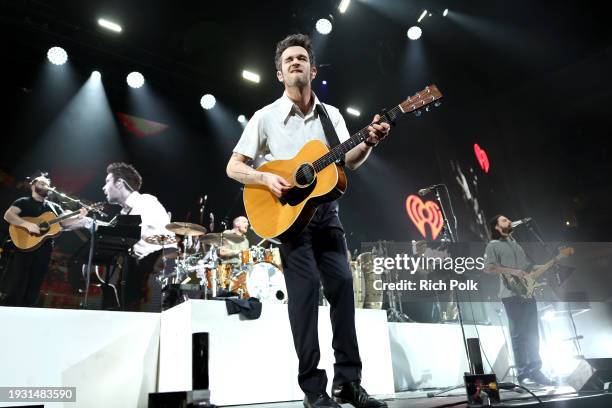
(256, 272)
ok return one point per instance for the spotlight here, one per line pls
(250, 76)
(324, 26)
(109, 25)
(445, 13)
(414, 33)
(353, 111)
(344, 5)
(208, 101)
(324, 82)
(57, 56)
(423, 14)
(135, 80)
(96, 75)
(242, 119)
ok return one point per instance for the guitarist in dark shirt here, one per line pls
(504, 256)
(20, 285)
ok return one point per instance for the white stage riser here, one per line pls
(110, 357)
(254, 361)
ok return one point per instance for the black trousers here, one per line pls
(524, 333)
(318, 256)
(24, 276)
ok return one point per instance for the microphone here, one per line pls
(525, 221)
(427, 190)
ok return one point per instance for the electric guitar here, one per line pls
(316, 177)
(48, 224)
(526, 286)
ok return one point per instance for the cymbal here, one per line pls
(186, 228)
(161, 239)
(217, 238)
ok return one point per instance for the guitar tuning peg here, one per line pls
(417, 113)
(437, 103)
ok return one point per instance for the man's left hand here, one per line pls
(377, 131)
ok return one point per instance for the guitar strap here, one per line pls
(328, 128)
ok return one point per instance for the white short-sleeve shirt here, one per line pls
(279, 130)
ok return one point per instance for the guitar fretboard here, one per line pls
(338, 152)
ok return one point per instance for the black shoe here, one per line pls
(354, 394)
(541, 379)
(319, 401)
(529, 383)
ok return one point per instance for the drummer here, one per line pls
(230, 251)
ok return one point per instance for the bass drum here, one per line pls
(266, 282)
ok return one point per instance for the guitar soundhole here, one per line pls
(305, 175)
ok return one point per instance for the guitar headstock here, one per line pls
(415, 102)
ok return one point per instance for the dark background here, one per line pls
(527, 81)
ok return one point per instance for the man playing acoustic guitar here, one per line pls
(21, 283)
(276, 132)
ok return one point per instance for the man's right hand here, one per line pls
(276, 184)
(31, 227)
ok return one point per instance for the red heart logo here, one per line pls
(422, 213)
(482, 158)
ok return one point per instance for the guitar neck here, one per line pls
(62, 218)
(536, 274)
(338, 152)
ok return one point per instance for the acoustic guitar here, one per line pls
(316, 177)
(48, 224)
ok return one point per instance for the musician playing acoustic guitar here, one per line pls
(279, 131)
(21, 283)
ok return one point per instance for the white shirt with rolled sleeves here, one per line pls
(154, 221)
(278, 131)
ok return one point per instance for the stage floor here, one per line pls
(419, 399)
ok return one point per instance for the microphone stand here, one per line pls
(92, 245)
(450, 236)
(92, 238)
(576, 338)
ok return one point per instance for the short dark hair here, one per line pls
(293, 40)
(127, 172)
(495, 234)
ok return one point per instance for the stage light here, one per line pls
(344, 5)
(135, 80)
(208, 101)
(96, 75)
(353, 111)
(242, 119)
(414, 33)
(445, 13)
(324, 26)
(250, 76)
(423, 14)
(57, 56)
(567, 223)
(109, 25)
(324, 82)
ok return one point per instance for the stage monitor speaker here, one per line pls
(592, 375)
(199, 361)
(474, 355)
